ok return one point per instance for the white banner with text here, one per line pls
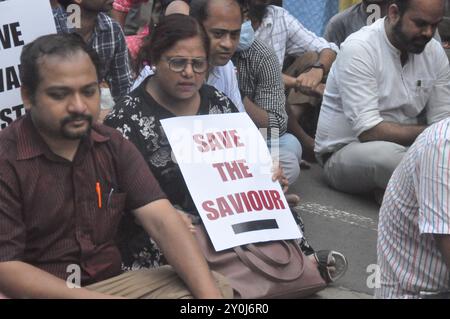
(228, 170)
(20, 23)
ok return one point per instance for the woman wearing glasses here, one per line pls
(177, 51)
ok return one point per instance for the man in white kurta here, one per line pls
(389, 82)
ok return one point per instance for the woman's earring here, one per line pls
(153, 68)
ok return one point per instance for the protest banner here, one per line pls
(20, 23)
(228, 170)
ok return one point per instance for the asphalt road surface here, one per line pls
(346, 223)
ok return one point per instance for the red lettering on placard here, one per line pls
(233, 170)
(202, 145)
(225, 138)
(276, 197)
(223, 207)
(255, 200)
(238, 203)
(236, 138)
(214, 143)
(217, 141)
(213, 213)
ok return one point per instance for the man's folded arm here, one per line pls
(392, 132)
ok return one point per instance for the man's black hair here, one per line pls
(65, 3)
(62, 45)
(257, 11)
(402, 5)
(199, 10)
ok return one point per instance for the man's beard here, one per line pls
(257, 11)
(78, 135)
(414, 45)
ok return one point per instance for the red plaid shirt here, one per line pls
(134, 42)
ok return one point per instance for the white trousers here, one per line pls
(363, 167)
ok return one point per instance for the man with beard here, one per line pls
(65, 183)
(389, 82)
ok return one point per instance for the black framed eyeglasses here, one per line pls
(178, 64)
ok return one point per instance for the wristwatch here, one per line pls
(318, 65)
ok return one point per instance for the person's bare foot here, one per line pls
(332, 265)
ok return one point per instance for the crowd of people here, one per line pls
(369, 102)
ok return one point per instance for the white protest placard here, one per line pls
(21, 22)
(228, 170)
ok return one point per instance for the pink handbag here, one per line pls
(276, 269)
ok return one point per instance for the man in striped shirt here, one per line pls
(414, 226)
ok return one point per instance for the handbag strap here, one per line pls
(268, 259)
(271, 272)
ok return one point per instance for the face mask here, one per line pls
(106, 99)
(247, 36)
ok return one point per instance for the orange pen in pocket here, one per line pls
(99, 194)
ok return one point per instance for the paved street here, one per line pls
(342, 222)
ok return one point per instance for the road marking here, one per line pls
(340, 293)
(343, 216)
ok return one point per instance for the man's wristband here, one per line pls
(318, 65)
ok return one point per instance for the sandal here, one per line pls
(327, 259)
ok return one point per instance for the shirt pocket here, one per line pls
(420, 91)
(109, 216)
